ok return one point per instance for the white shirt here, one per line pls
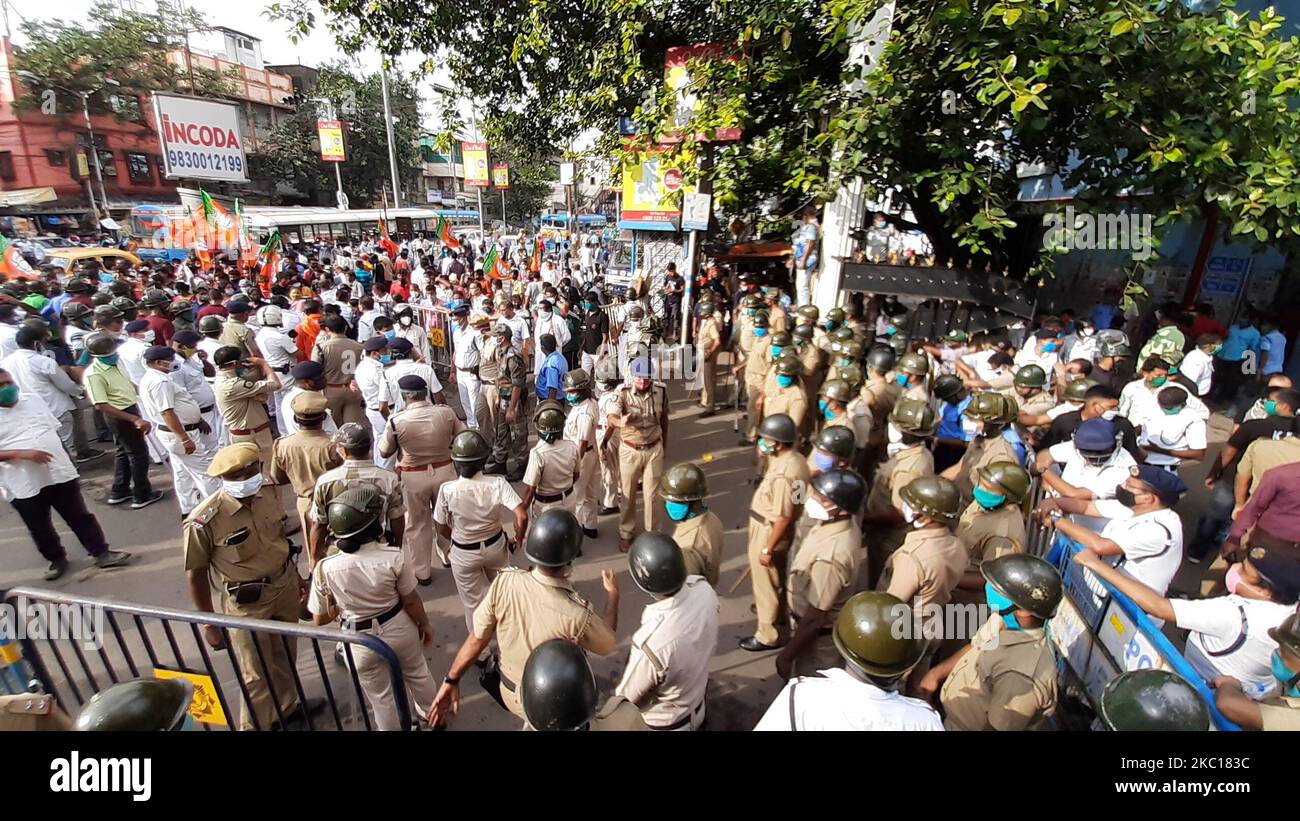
(1100, 479)
(210, 347)
(841, 702)
(366, 325)
(417, 337)
(1216, 624)
(1063, 408)
(159, 393)
(1180, 431)
(8, 339)
(1152, 542)
(1029, 355)
(29, 425)
(190, 377)
(553, 324)
(401, 368)
(131, 352)
(372, 383)
(40, 376)
(287, 423)
(518, 330)
(467, 345)
(276, 347)
(1140, 405)
(1198, 366)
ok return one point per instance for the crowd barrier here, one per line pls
(436, 322)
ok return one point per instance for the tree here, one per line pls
(292, 151)
(1190, 109)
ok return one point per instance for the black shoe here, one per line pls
(605, 511)
(112, 558)
(589, 532)
(153, 497)
(90, 454)
(706, 414)
(753, 645)
(424, 582)
(55, 570)
(116, 500)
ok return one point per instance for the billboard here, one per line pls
(476, 164)
(648, 189)
(677, 79)
(331, 140)
(501, 175)
(201, 138)
(566, 173)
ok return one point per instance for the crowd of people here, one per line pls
(393, 390)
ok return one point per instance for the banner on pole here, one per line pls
(475, 156)
(331, 140)
(501, 175)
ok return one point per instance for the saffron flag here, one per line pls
(248, 252)
(199, 226)
(12, 262)
(535, 264)
(386, 242)
(270, 256)
(492, 266)
(445, 234)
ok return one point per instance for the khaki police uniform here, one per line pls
(31, 712)
(814, 362)
(1036, 405)
(640, 453)
(299, 459)
(550, 472)
(981, 452)
(421, 436)
(617, 715)
(242, 405)
(925, 569)
(777, 321)
(823, 574)
(473, 507)
(580, 427)
(700, 538)
(917, 391)
(236, 334)
(779, 495)
(524, 608)
(608, 454)
(511, 440)
(488, 404)
(880, 395)
(366, 588)
(886, 495)
(791, 401)
(349, 475)
(708, 336)
(990, 534)
(1007, 681)
(339, 357)
(1280, 713)
(243, 548)
(757, 361)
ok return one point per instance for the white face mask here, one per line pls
(406, 321)
(909, 515)
(895, 435)
(1109, 415)
(816, 510)
(893, 448)
(148, 337)
(969, 426)
(244, 488)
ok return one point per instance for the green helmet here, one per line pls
(1007, 477)
(948, 387)
(804, 332)
(684, 482)
(577, 381)
(760, 319)
(835, 316)
(1145, 700)
(865, 634)
(555, 539)
(558, 689)
(751, 302)
(899, 322)
(1031, 583)
(917, 364)
(809, 313)
(844, 488)
(837, 390)
(656, 564)
(155, 298)
(934, 496)
(74, 312)
(842, 334)
(914, 416)
(990, 406)
(101, 344)
(1030, 376)
(469, 446)
(789, 366)
(851, 374)
(1116, 349)
(881, 358)
(607, 371)
(210, 324)
(354, 510)
(705, 308)
(837, 441)
(778, 427)
(126, 305)
(141, 705)
(852, 349)
(1075, 390)
(549, 418)
(781, 339)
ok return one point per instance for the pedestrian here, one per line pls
(38, 375)
(467, 357)
(580, 427)
(375, 389)
(549, 385)
(110, 390)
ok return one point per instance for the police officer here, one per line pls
(784, 392)
(420, 435)
(308, 377)
(811, 357)
(667, 670)
(180, 428)
(640, 413)
(772, 516)
(524, 608)
(865, 693)
(881, 394)
(993, 524)
(1005, 679)
(242, 388)
(1281, 710)
(910, 424)
(608, 438)
(511, 437)
(833, 448)
(237, 536)
(754, 367)
(837, 397)
(368, 587)
(487, 404)
(988, 416)
(927, 566)
(234, 331)
(843, 355)
(696, 529)
(558, 692)
(339, 357)
(1030, 387)
(301, 457)
(824, 570)
(355, 447)
(1156, 701)
(708, 342)
(913, 371)
(552, 468)
(580, 428)
(833, 322)
(139, 705)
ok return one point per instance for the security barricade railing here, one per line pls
(1038, 537)
(436, 322)
(16, 674)
(1099, 633)
(75, 646)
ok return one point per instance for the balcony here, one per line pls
(251, 84)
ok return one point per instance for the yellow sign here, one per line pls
(501, 175)
(83, 167)
(205, 707)
(648, 188)
(436, 338)
(475, 156)
(1117, 624)
(331, 140)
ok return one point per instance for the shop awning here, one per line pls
(27, 196)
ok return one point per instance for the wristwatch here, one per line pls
(1055, 514)
(455, 682)
(766, 552)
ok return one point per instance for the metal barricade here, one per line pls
(127, 641)
(436, 322)
(1038, 537)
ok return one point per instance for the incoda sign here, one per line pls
(201, 138)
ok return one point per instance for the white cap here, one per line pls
(271, 316)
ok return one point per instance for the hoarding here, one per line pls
(501, 175)
(331, 140)
(648, 186)
(677, 79)
(201, 138)
(476, 164)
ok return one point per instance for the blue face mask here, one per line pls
(988, 500)
(1003, 606)
(390, 334)
(784, 381)
(1270, 408)
(677, 511)
(828, 326)
(1049, 347)
(901, 379)
(776, 352)
(572, 398)
(1285, 675)
(385, 359)
(823, 461)
(760, 332)
(890, 331)
(109, 360)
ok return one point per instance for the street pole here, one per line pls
(478, 189)
(94, 152)
(503, 206)
(388, 128)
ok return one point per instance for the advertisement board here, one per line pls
(677, 79)
(331, 140)
(648, 188)
(501, 175)
(476, 164)
(201, 138)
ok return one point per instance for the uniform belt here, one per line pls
(281, 369)
(208, 409)
(233, 588)
(418, 468)
(250, 431)
(681, 722)
(642, 446)
(468, 370)
(756, 517)
(195, 426)
(505, 681)
(552, 497)
(339, 385)
(374, 621)
(477, 545)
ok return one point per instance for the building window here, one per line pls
(7, 166)
(137, 167)
(107, 164)
(56, 158)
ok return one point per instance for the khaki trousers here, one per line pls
(487, 412)
(646, 465)
(708, 387)
(419, 493)
(609, 484)
(345, 405)
(768, 582)
(304, 515)
(279, 602)
(474, 571)
(401, 634)
(586, 490)
(751, 407)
